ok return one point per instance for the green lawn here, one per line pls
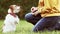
(26, 28)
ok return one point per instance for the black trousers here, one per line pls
(49, 23)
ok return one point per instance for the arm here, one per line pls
(39, 8)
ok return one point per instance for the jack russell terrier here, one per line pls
(11, 19)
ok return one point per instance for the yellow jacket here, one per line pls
(53, 7)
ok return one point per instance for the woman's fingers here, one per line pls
(34, 9)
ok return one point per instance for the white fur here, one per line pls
(10, 22)
(16, 9)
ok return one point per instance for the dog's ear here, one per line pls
(11, 7)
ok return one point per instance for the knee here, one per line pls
(28, 16)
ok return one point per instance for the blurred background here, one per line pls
(25, 7)
(23, 27)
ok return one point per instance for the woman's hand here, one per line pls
(35, 13)
(34, 9)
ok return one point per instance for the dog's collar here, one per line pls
(13, 14)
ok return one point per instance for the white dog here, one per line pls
(11, 19)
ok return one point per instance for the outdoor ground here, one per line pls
(26, 28)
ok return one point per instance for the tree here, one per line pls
(25, 6)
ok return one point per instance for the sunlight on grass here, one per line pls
(26, 28)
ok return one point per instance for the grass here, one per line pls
(26, 28)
